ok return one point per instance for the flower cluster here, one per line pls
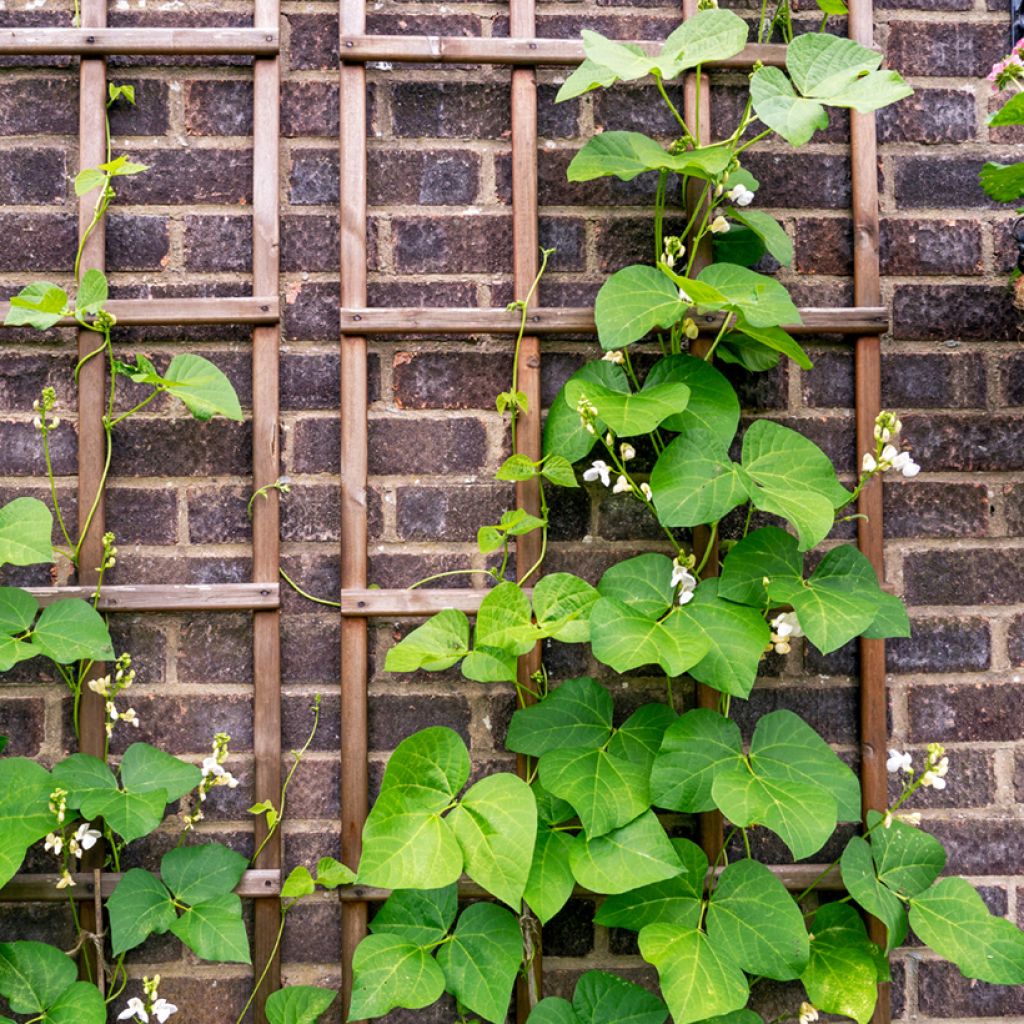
(1010, 70)
(785, 627)
(214, 772)
(109, 687)
(600, 471)
(674, 250)
(152, 1007)
(43, 407)
(886, 455)
(683, 578)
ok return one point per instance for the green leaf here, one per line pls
(635, 855)
(421, 917)
(623, 638)
(298, 1004)
(130, 815)
(696, 746)
(576, 714)
(836, 7)
(429, 767)
(630, 414)
(17, 610)
(754, 920)
(564, 434)
(1011, 112)
(1002, 182)
(632, 302)
(890, 619)
(769, 230)
(639, 738)
(481, 961)
(92, 292)
(214, 930)
(862, 883)
(490, 665)
(713, 404)
(743, 351)
(627, 154)
(435, 646)
(697, 980)
(72, 630)
(495, 824)
(762, 301)
(643, 583)
(550, 809)
(676, 900)
(198, 873)
(766, 554)
(26, 525)
(146, 769)
(33, 975)
(80, 1003)
(708, 35)
(121, 165)
(907, 860)
(505, 621)
(603, 998)
(388, 973)
(776, 104)
(737, 245)
(40, 305)
(562, 604)
(550, 883)
(331, 873)
(626, 62)
(553, 1010)
(517, 467)
(203, 389)
(773, 338)
(953, 920)
(842, 973)
(558, 470)
(735, 636)
(586, 77)
(82, 774)
(12, 652)
(694, 480)
(139, 907)
(88, 179)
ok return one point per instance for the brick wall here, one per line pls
(440, 231)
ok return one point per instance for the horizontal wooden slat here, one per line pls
(568, 320)
(153, 312)
(96, 42)
(40, 888)
(371, 603)
(521, 52)
(176, 597)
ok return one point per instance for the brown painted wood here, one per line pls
(515, 51)
(99, 41)
(354, 448)
(360, 602)
(176, 597)
(572, 320)
(42, 888)
(266, 548)
(153, 312)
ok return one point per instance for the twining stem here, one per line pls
(440, 576)
(675, 113)
(524, 309)
(659, 215)
(270, 960)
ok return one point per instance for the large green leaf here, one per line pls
(130, 815)
(26, 525)
(632, 303)
(635, 855)
(696, 746)
(603, 998)
(754, 920)
(145, 769)
(17, 610)
(761, 300)
(202, 387)
(562, 604)
(842, 974)
(763, 559)
(605, 791)
(564, 433)
(907, 860)
(298, 1004)
(33, 975)
(639, 738)
(694, 480)
(139, 906)
(1002, 182)
(41, 305)
(481, 961)
(198, 873)
(588, 76)
(436, 645)
(777, 104)
(421, 917)
(429, 768)
(13, 651)
(25, 814)
(862, 884)
(495, 824)
(80, 1003)
(628, 415)
(627, 154)
(550, 883)
(576, 714)
(713, 404)
(769, 230)
(505, 621)
(72, 630)
(697, 980)
(952, 918)
(644, 583)
(708, 35)
(388, 972)
(214, 930)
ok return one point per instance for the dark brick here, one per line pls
(944, 992)
(971, 782)
(309, 108)
(941, 645)
(142, 516)
(973, 312)
(479, 243)
(555, 190)
(146, 641)
(796, 179)
(979, 576)
(966, 712)
(970, 443)
(421, 293)
(46, 241)
(924, 509)
(831, 711)
(313, 177)
(149, 114)
(423, 177)
(309, 242)
(314, 445)
(393, 718)
(33, 176)
(622, 517)
(314, 41)
(930, 116)
(449, 380)
(400, 570)
(22, 455)
(947, 47)
(146, 446)
(450, 110)
(310, 930)
(318, 576)
(218, 243)
(38, 922)
(638, 108)
(213, 176)
(920, 248)
(449, 513)
(437, 446)
(823, 245)
(315, 790)
(309, 652)
(1011, 376)
(136, 242)
(39, 106)
(312, 513)
(1014, 509)
(187, 724)
(556, 120)
(309, 380)
(925, 182)
(21, 721)
(571, 931)
(311, 312)
(568, 513)
(214, 107)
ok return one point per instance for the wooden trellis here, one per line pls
(93, 42)
(522, 52)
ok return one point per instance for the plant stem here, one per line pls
(659, 216)
(675, 113)
(266, 966)
(303, 593)
(442, 575)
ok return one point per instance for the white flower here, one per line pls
(54, 842)
(933, 779)
(899, 762)
(645, 490)
(162, 1009)
(135, 1010)
(906, 465)
(683, 297)
(622, 485)
(719, 225)
(889, 454)
(86, 838)
(808, 1013)
(112, 711)
(211, 766)
(599, 470)
(787, 625)
(627, 451)
(100, 686)
(741, 195)
(130, 717)
(66, 880)
(869, 465)
(685, 581)
(615, 356)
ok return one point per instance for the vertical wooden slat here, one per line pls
(266, 465)
(526, 243)
(353, 480)
(867, 288)
(697, 114)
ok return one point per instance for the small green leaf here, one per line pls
(26, 526)
(1002, 182)
(550, 882)
(87, 179)
(907, 859)
(708, 35)
(632, 414)
(72, 630)
(517, 467)
(121, 165)
(562, 604)
(490, 665)
(635, 855)
(299, 883)
(586, 77)
(92, 292)
(146, 769)
(1011, 112)
(627, 62)
(421, 917)
(776, 104)
(625, 155)
(504, 621)
(41, 305)
(388, 972)
(558, 470)
(576, 714)
(202, 388)
(17, 610)
(435, 646)
(214, 930)
(140, 906)
(634, 301)
(298, 1004)
(862, 883)
(330, 873)
(769, 230)
(564, 433)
